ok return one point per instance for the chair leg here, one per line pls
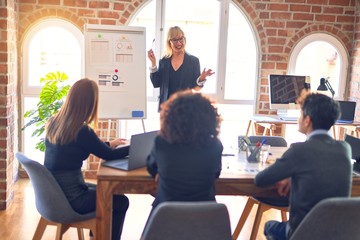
(60, 230)
(80, 233)
(245, 214)
(284, 216)
(93, 229)
(40, 229)
(261, 209)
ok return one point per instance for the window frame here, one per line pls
(343, 55)
(221, 51)
(27, 91)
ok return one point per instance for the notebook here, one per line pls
(347, 111)
(140, 147)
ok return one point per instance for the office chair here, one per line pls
(331, 219)
(274, 141)
(188, 220)
(52, 204)
(263, 203)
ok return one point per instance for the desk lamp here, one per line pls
(325, 85)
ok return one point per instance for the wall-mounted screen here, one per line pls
(285, 89)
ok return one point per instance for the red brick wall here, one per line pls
(8, 101)
(279, 25)
(354, 85)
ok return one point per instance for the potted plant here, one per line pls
(51, 99)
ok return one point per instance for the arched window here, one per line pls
(219, 34)
(321, 55)
(50, 45)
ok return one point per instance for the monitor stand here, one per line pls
(288, 114)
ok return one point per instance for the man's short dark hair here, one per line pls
(322, 110)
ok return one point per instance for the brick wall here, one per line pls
(278, 25)
(354, 85)
(281, 24)
(8, 101)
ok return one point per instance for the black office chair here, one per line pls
(274, 141)
(264, 204)
(354, 142)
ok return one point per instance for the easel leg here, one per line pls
(108, 131)
(143, 124)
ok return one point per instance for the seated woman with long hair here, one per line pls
(70, 140)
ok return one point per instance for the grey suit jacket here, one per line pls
(319, 168)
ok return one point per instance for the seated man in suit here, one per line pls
(316, 169)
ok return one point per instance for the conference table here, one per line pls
(237, 178)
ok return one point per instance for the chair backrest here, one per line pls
(188, 220)
(331, 219)
(50, 200)
(354, 142)
(275, 141)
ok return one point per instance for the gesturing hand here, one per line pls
(152, 57)
(205, 73)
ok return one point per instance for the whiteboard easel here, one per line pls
(115, 58)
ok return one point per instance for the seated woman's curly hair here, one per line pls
(189, 118)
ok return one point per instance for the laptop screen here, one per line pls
(347, 111)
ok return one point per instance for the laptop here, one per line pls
(347, 111)
(140, 147)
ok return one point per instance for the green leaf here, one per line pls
(51, 99)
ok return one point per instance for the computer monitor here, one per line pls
(285, 89)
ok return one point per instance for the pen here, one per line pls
(263, 141)
(153, 43)
(247, 141)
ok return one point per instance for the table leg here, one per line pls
(334, 132)
(104, 198)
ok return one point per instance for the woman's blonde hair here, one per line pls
(172, 33)
(80, 107)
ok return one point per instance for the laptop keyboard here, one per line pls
(122, 164)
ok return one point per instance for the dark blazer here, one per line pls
(185, 173)
(160, 78)
(319, 168)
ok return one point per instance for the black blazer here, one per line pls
(160, 78)
(185, 173)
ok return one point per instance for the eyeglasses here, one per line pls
(180, 40)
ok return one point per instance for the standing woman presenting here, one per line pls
(178, 70)
(70, 140)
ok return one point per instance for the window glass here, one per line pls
(319, 56)
(199, 20)
(203, 21)
(29, 141)
(319, 59)
(51, 45)
(240, 83)
(146, 18)
(53, 49)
